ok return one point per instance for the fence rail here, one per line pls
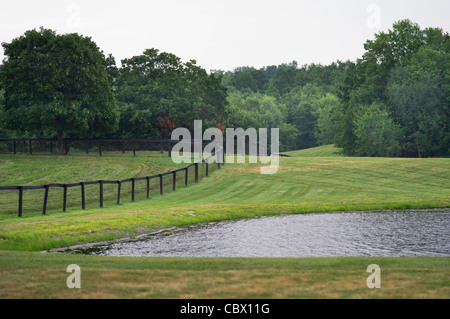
(166, 181)
(87, 145)
(100, 145)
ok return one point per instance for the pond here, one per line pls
(385, 233)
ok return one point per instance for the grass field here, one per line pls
(303, 184)
(37, 275)
(26, 170)
(23, 169)
(320, 151)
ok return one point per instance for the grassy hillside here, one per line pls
(26, 170)
(307, 183)
(302, 184)
(320, 151)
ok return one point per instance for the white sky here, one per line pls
(224, 34)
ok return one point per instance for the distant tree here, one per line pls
(249, 78)
(376, 133)
(419, 96)
(288, 137)
(270, 71)
(221, 128)
(158, 84)
(302, 104)
(285, 78)
(166, 126)
(324, 131)
(111, 69)
(254, 110)
(2, 94)
(403, 69)
(236, 114)
(56, 83)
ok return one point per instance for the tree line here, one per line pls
(393, 101)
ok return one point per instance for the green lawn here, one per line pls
(26, 170)
(38, 275)
(303, 184)
(23, 169)
(320, 151)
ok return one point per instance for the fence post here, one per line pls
(87, 146)
(123, 146)
(132, 189)
(101, 194)
(20, 200)
(83, 198)
(160, 184)
(206, 162)
(148, 187)
(15, 148)
(119, 186)
(30, 147)
(100, 148)
(174, 173)
(218, 160)
(51, 146)
(44, 208)
(170, 148)
(186, 177)
(64, 197)
(196, 172)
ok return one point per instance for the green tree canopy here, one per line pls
(158, 84)
(56, 83)
(376, 133)
(405, 71)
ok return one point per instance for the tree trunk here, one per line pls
(418, 147)
(60, 142)
(417, 139)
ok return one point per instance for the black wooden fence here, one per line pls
(162, 183)
(99, 146)
(85, 145)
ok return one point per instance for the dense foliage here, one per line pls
(298, 100)
(393, 101)
(406, 73)
(55, 84)
(157, 85)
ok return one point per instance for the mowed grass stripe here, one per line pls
(26, 170)
(320, 151)
(304, 184)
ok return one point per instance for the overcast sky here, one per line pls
(224, 34)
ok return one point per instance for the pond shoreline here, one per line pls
(172, 231)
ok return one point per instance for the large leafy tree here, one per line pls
(404, 70)
(376, 133)
(56, 83)
(249, 78)
(419, 94)
(326, 107)
(256, 110)
(158, 84)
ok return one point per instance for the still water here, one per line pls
(387, 233)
